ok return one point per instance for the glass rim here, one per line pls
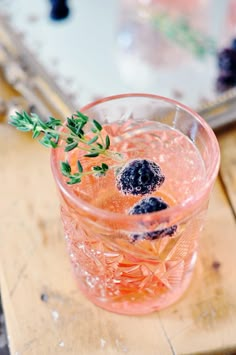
(187, 205)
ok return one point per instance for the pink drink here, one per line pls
(146, 275)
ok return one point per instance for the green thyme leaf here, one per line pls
(69, 140)
(24, 128)
(107, 142)
(82, 116)
(53, 122)
(94, 130)
(65, 168)
(53, 143)
(74, 180)
(105, 166)
(36, 134)
(80, 168)
(79, 131)
(74, 136)
(97, 168)
(46, 142)
(99, 145)
(92, 155)
(93, 140)
(97, 125)
(70, 146)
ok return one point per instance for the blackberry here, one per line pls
(139, 177)
(225, 82)
(227, 60)
(150, 205)
(156, 234)
(233, 44)
(59, 10)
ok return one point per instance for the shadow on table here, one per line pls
(4, 350)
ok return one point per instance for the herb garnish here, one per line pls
(92, 141)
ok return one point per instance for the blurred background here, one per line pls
(92, 49)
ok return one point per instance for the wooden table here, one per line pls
(47, 315)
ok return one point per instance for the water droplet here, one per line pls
(55, 315)
(102, 342)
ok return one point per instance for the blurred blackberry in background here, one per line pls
(227, 60)
(59, 10)
(227, 68)
(233, 44)
(225, 82)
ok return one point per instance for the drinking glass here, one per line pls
(116, 263)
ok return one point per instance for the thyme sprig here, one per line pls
(82, 133)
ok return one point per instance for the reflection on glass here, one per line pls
(161, 44)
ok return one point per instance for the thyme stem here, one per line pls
(92, 142)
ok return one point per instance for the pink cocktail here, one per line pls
(113, 269)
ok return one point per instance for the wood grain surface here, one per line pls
(227, 142)
(45, 312)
